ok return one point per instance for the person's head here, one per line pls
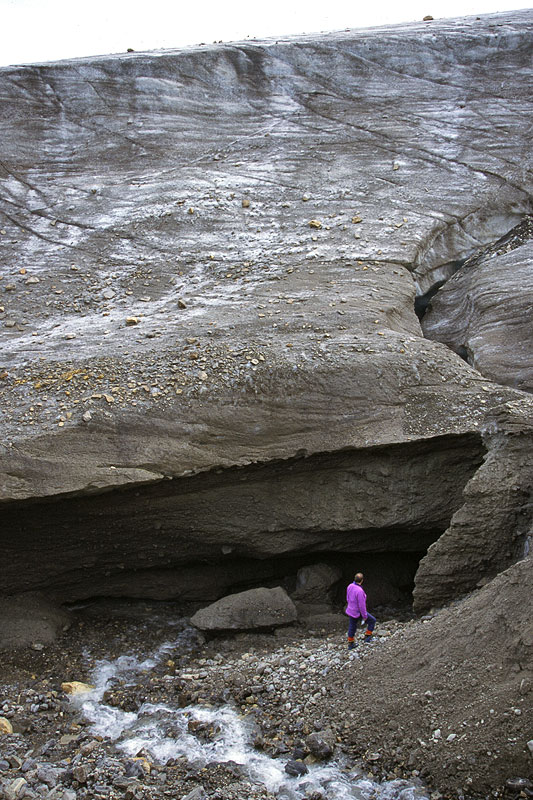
(359, 577)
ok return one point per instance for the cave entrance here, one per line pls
(430, 280)
(446, 271)
(389, 576)
(194, 539)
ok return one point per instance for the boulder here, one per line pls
(255, 608)
(314, 582)
(15, 789)
(296, 768)
(321, 744)
(76, 687)
(5, 726)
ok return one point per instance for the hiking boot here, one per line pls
(368, 638)
(351, 645)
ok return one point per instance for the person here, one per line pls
(356, 610)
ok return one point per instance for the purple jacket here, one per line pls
(356, 599)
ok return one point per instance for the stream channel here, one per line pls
(163, 732)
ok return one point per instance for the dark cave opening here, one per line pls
(389, 576)
(194, 539)
(514, 237)
(423, 301)
(389, 583)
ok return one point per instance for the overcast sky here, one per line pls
(47, 30)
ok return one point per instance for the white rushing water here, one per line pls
(163, 731)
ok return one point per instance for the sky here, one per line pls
(50, 30)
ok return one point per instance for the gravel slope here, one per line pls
(445, 698)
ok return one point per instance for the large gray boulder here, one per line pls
(255, 608)
(313, 583)
(209, 263)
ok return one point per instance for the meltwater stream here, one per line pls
(162, 730)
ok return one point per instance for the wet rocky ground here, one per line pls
(305, 698)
